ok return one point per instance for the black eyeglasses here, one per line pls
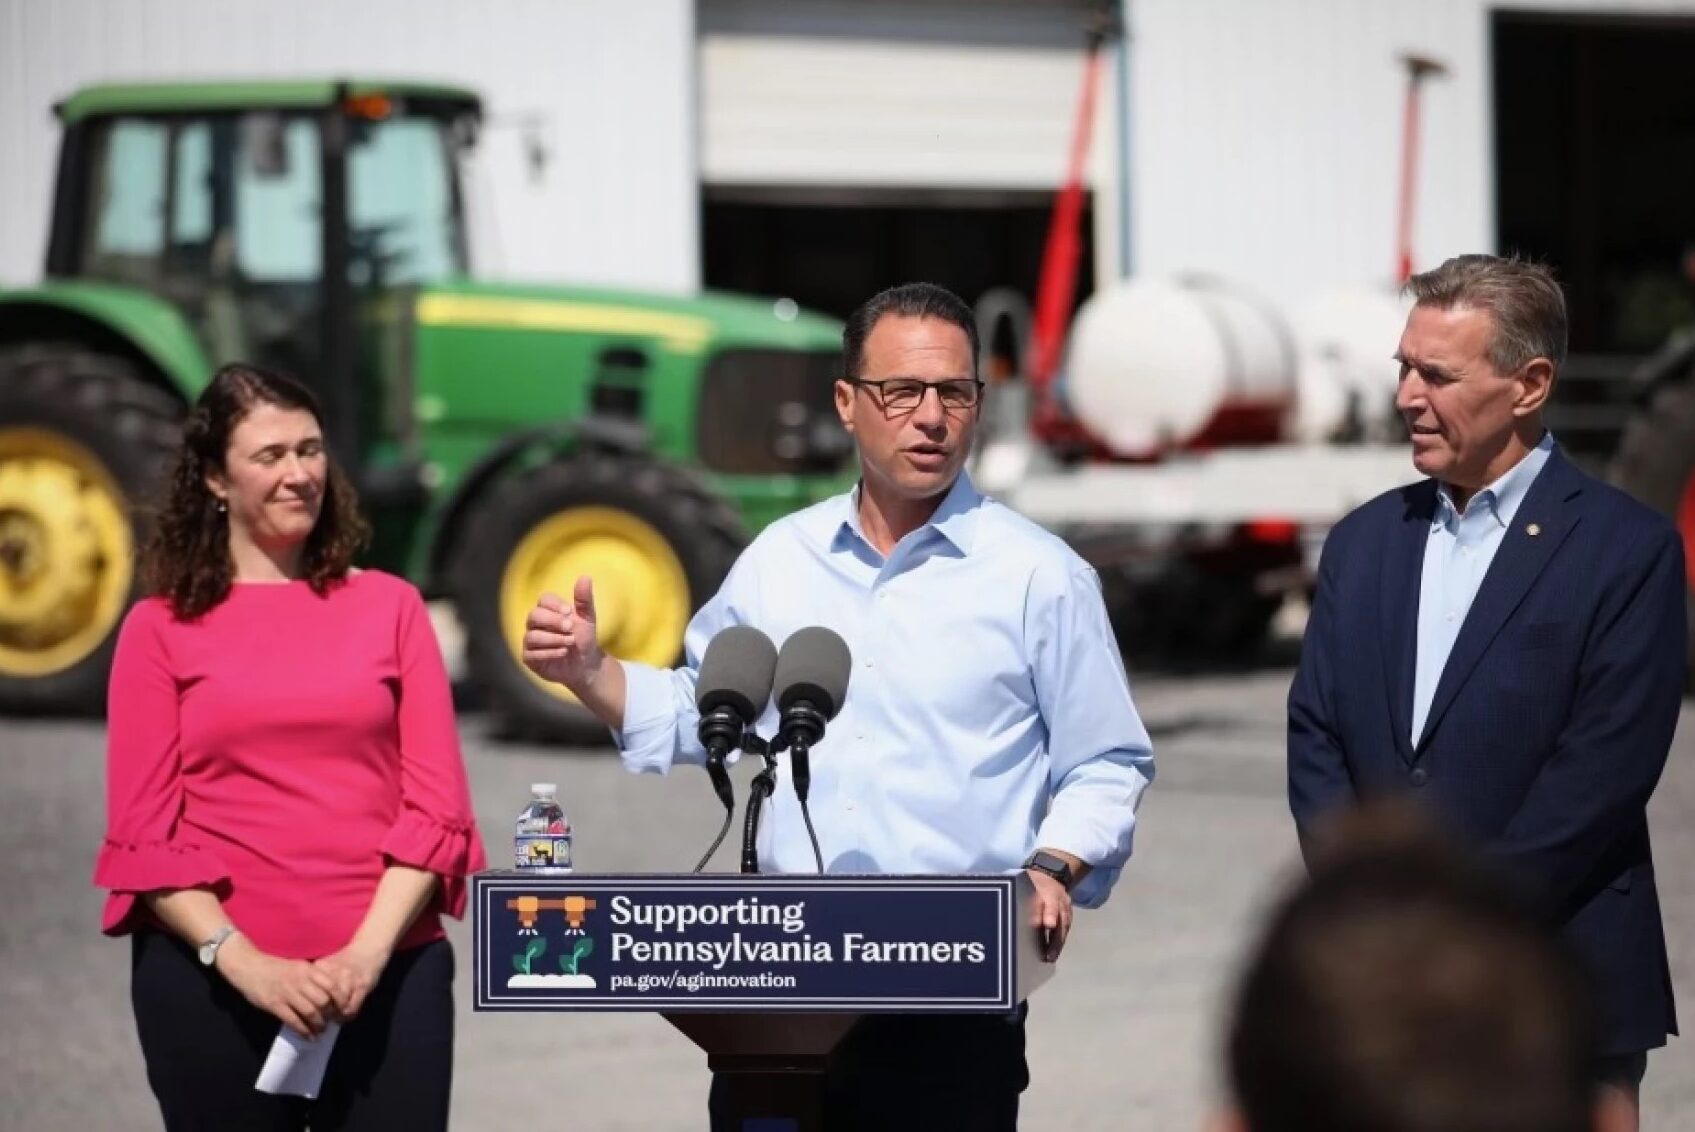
(904, 394)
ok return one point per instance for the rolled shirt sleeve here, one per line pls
(143, 850)
(660, 718)
(436, 827)
(1100, 756)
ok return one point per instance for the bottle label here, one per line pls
(542, 851)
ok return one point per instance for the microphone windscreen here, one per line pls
(814, 665)
(736, 673)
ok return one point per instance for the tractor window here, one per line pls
(191, 166)
(403, 218)
(278, 201)
(128, 201)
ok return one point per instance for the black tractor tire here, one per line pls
(703, 531)
(1186, 619)
(1655, 463)
(104, 405)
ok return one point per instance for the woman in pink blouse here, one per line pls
(287, 809)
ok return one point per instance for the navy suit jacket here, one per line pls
(1550, 723)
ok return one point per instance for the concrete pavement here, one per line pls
(1123, 1038)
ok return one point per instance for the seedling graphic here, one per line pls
(580, 948)
(581, 945)
(532, 950)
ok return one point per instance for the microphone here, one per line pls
(811, 684)
(734, 686)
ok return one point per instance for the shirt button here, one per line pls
(1419, 776)
(1450, 617)
(869, 663)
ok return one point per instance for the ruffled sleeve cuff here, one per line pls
(450, 848)
(129, 868)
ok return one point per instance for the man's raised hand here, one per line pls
(561, 642)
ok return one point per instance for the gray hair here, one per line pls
(1523, 298)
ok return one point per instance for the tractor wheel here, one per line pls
(1185, 619)
(1656, 464)
(83, 438)
(655, 541)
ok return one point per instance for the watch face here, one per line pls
(1053, 866)
(207, 953)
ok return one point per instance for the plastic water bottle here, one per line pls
(541, 840)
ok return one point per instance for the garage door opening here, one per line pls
(1595, 168)
(1595, 175)
(830, 251)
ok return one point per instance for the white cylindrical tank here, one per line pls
(1157, 364)
(1346, 373)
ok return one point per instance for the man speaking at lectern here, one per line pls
(988, 724)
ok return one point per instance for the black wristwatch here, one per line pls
(1044, 862)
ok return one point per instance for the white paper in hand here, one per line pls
(296, 1065)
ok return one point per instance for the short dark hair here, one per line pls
(909, 300)
(1402, 990)
(187, 559)
(1523, 298)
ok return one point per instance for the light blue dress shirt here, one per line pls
(1456, 557)
(988, 712)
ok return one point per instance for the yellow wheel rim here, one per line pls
(641, 595)
(66, 553)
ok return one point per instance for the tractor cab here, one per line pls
(273, 217)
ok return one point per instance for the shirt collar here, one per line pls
(954, 518)
(1501, 498)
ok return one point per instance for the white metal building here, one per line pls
(752, 143)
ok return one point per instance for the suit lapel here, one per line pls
(1516, 566)
(1398, 619)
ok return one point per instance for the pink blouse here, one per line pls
(282, 751)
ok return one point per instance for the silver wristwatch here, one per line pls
(209, 949)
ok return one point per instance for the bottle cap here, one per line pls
(544, 788)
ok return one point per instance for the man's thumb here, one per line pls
(583, 595)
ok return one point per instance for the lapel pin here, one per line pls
(1533, 529)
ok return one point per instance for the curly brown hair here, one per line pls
(187, 559)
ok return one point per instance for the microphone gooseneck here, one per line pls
(731, 693)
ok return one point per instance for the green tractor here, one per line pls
(505, 439)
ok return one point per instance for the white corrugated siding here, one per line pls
(610, 83)
(925, 95)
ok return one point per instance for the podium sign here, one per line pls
(764, 943)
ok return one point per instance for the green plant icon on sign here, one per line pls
(568, 963)
(535, 947)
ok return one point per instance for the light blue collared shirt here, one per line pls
(988, 713)
(1456, 557)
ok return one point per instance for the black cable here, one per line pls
(800, 769)
(817, 857)
(729, 814)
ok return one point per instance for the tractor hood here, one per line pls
(683, 325)
(735, 386)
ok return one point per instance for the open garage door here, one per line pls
(1595, 174)
(846, 146)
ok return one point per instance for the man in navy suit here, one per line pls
(1504, 641)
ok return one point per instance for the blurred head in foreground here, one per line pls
(1400, 990)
